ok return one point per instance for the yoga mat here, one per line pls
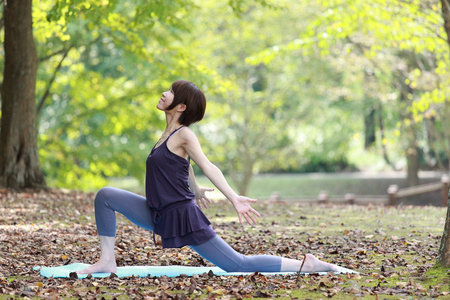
(154, 271)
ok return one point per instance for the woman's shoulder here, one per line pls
(186, 132)
(187, 135)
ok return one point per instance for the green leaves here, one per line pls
(279, 76)
(100, 114)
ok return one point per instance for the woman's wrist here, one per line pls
(233, 198)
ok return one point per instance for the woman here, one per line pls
(169, 208)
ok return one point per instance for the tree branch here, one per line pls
(62, 51)
(52, 79)
(53, 54)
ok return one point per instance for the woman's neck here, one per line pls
(172, 122)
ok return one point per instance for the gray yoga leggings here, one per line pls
(216, 250)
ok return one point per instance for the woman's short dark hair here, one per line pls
(187, 93)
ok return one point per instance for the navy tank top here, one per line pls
(176, 216)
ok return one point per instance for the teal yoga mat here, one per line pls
(157, 271)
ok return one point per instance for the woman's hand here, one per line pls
(201, 198)
(244, 210)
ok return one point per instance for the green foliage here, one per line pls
(99, 120)
(289, 84)
(394, 44)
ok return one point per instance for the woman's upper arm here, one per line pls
(193, 149)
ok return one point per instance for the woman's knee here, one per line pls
(103, 195)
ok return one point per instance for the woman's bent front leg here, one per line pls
(107, 202)
(133, 206)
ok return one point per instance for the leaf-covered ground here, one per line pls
(394, 249)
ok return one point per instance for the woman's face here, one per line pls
(166, 100)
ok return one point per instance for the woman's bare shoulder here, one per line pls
(187, 134)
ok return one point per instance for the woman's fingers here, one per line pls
(255, 212)
(206, 199)
(205, 205)
(201, 202)
(245, 211)
(249, 217)
(203, 198)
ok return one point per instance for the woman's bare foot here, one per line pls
(107, 261)
(100, 267)
(313, 264)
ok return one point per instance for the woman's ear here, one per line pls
(181, 107)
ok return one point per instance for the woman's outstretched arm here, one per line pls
(241, 204)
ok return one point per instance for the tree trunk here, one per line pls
(369, 126)
(444, 250)
(382, 137)
(412, 158)
(410, 135)
(19, 161)
(246, 177)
